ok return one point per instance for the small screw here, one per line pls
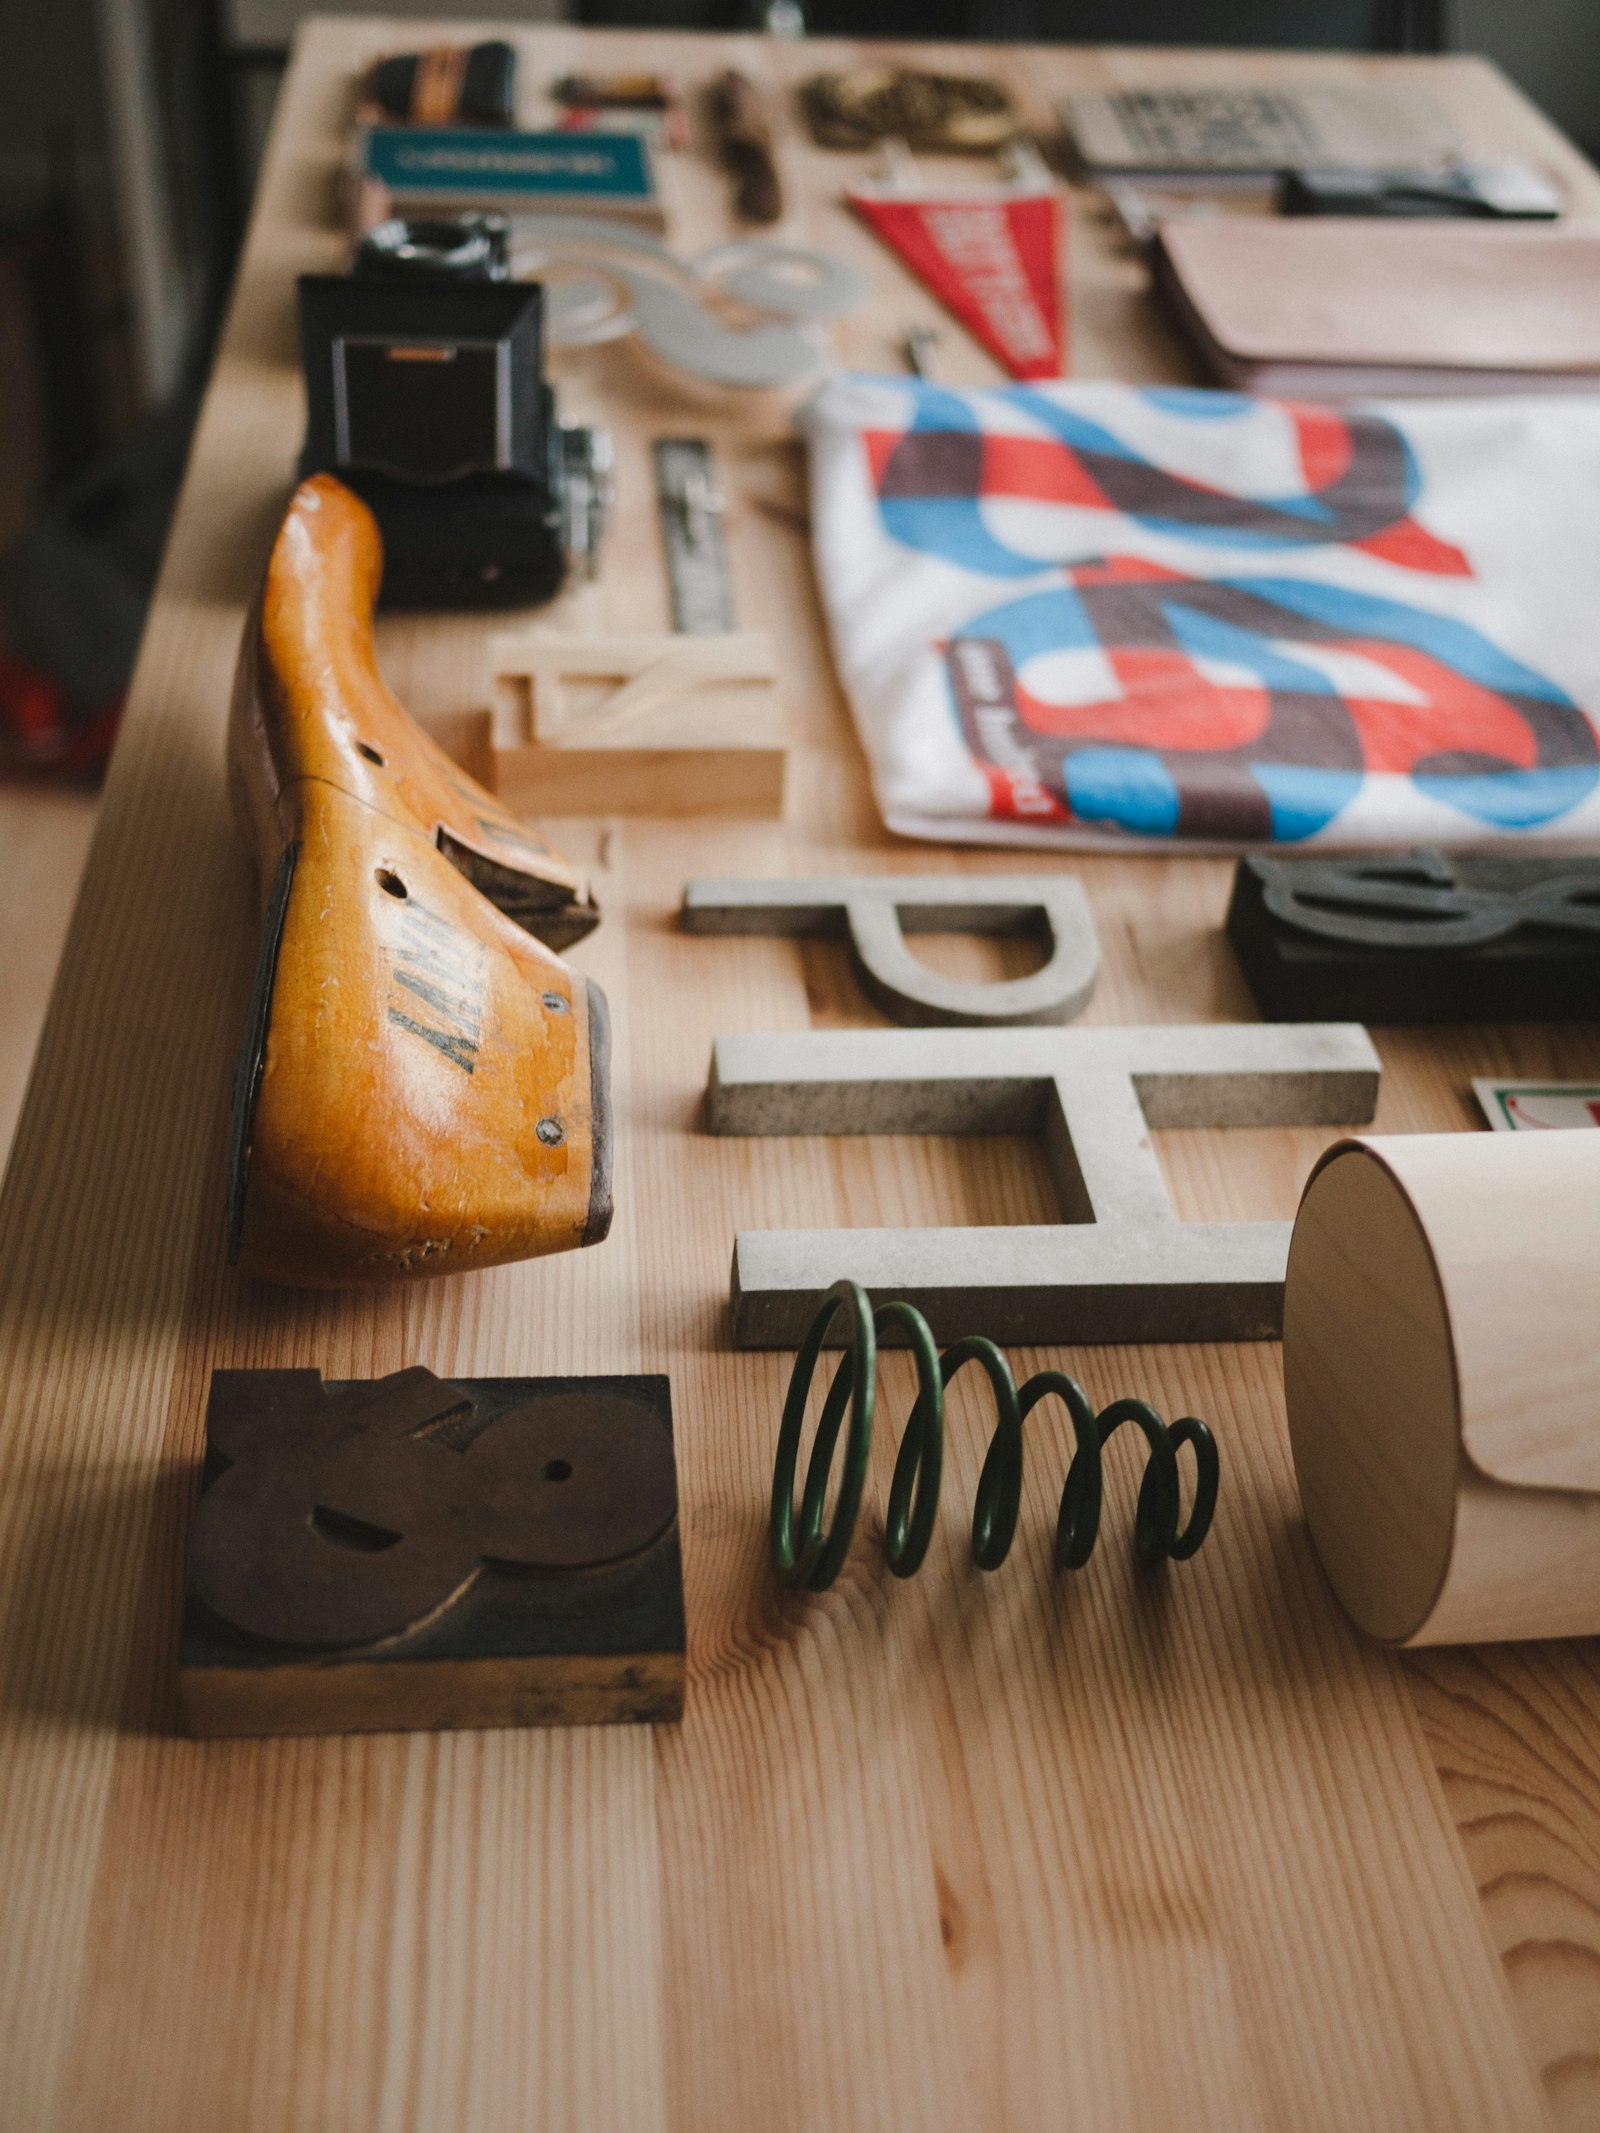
(555, 1003)
(920, 345)
(549, 1131)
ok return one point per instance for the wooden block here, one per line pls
(1119, 1266)
(668, 725)
(1419, 938)
(406, 1553)
(1438, 1368)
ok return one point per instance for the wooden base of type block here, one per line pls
(637, 725)
(415, 1554)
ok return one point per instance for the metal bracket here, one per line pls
(875, 912)
(692, 508)
(1119, 1266)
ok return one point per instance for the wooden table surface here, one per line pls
(966, 1853)
(44, 833)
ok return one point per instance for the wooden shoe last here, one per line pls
(423, 1087)
(309, 702)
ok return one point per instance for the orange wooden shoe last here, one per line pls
(423, 1088)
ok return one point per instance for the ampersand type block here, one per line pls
(1420, 937)
(410, 1553)
(423, 1086)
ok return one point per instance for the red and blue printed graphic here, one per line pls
(1249, 709)
(934, 478)
(1239, 709)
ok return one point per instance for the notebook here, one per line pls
(1337, 309)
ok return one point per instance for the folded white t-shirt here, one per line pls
(1094, 615)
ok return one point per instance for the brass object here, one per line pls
(744, 146)
(941, 114)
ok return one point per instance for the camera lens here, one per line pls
(436, 248)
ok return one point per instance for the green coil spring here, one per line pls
(804, 1554)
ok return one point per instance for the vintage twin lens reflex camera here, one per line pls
(426, 395)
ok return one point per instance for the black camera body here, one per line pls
(426, 395)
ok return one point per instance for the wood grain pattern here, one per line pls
(970, 1853)
(1512, 1729)
(44, 833)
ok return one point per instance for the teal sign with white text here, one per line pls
(472, 164)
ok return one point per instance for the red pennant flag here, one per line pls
(992, 259)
